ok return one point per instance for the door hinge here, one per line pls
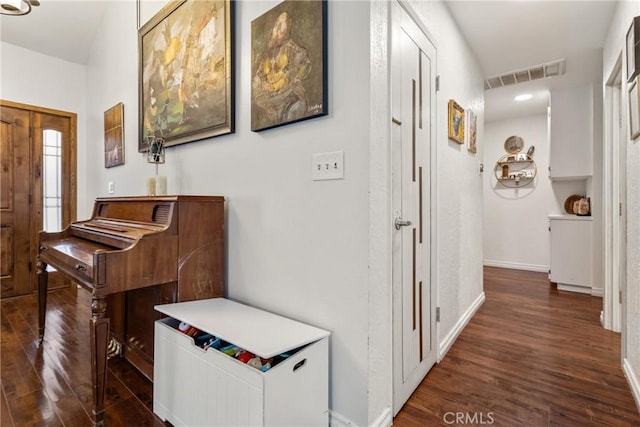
(437, 83)
(620, 296)
(437, 314)
(620, 205)
(549, 228)
(30, 266)
(30, 199)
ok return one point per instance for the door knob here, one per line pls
(401, 223)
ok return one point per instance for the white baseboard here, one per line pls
(597, 292)
(633, 380)
(384, 420)
(448, 341)
(517, 266)
(574, 288)
(339, 420)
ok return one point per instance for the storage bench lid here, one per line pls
(260, 332)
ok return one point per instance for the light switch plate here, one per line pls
(328, 166)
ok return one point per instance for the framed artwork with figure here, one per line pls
(186, 82)
(114, 136)
(289, 64)
(456, 122)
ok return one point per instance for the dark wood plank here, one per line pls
(5, 413)
(33, 409)
(532, 355)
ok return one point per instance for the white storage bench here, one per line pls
(196, 387)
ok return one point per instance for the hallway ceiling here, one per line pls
(505, 36)
(63, 29)
(512, 35)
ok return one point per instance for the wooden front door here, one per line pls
(15, 206)
(26, 197)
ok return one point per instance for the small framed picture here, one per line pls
(633, 43)
(473, 148)
(114, 136)
(456, 122)
(634, 110)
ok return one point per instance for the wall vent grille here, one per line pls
(543, 71)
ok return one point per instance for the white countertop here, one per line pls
(569, 217)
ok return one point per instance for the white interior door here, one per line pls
(614, 202)
(413, 130)
(618, 314)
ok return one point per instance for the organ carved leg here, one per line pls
(99, 340)
(43, 276)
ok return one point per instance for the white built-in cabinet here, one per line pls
(571, 252)
(573, 130)
(197, 387)
(571, 133)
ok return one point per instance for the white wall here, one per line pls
(516, 219)
(380, 381)
(39, 80)
(615, 43)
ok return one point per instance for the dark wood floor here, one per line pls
(50, 385)
(531, 356)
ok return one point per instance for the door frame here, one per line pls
(613, 205)
(69, 177)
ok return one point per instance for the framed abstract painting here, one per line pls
(186, 81)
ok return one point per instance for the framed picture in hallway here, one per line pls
(633, 49)
(289, 64)
(473, 128)
(634, 110)
(186, 81)
(456, 122)
(114, 136)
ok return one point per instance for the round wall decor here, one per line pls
(513, 144)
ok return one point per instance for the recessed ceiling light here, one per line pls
(523, 97)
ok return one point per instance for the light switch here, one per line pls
(328, 166)
(111, 187)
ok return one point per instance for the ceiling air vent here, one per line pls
(543, 71)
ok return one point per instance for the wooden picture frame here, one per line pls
(634, 110)
(456, 122)
(186, 72)
(114, 136)
(289, 64)
(473, 130)
(633, 49)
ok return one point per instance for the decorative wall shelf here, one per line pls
(515, 170)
